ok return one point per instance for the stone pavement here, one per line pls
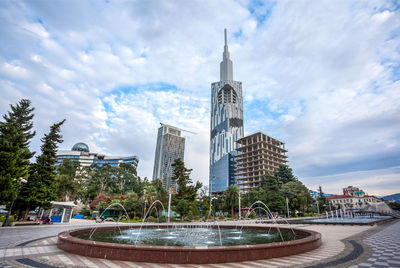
(12, 235)
(44, 253)
(386, 248)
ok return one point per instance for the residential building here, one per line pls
(226, 125)
(170, 146)
(353, 191)
(353, 201)
(258, 154)
(80, 153)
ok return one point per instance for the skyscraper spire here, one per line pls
(226, 42)
(226, 69)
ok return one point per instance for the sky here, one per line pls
(322, 76)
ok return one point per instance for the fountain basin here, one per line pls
(180, 255)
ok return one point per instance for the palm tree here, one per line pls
(232, 197)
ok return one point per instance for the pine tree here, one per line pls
(274, 198)
(187, 192)
(40, 188)
(284, 174)
(322, 201)
(15, 136)
(68, 180)
(181, 177)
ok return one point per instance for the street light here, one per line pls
(210, 194)
(240, 211)
(23, 181)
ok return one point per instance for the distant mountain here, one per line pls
(395, 197)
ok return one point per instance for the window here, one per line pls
(227, 95)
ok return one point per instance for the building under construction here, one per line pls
(257, 155)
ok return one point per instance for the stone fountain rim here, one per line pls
(69, 236)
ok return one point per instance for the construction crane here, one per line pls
(183, 130)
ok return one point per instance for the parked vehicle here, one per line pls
(46, 220)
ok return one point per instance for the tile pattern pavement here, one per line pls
(72, 260)
(384, 245)
(386, 248)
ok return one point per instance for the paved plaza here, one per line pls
(35, 246)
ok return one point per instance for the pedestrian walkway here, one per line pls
(73, 260)
(44, 252)
(385, 245)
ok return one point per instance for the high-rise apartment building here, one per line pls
(170, 146)
(226, 125)
(258, 154)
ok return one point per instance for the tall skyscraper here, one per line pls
(170, 146)
(226, 125)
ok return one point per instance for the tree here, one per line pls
(322, 201)
(133, 205)
(160, 191)
(15, 136)
(149, 193)
(181, 176)
(69, 181)
(99, 180)
(40, 188)
(231, 195)
(297, 194)
(182, 207)
(284, 174)
(274, 198)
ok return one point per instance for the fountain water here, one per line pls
(145, 216)
(93, 230)
(189, 243)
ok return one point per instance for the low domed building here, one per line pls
(80, 152)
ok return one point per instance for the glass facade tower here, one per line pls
(226, 125)
(170, 146)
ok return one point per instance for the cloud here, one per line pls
(322, 76)
(373, 182)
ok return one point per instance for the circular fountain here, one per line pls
(188, 243)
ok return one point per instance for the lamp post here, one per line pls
(23, 181)
(210, 193)
(170, 190)
(287, 206)
(240, 212)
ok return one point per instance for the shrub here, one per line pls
(85, 211)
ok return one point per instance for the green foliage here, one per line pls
(284, 174)
(132, 205)
(298, 196)
(394, 205)
(274, 198)
(85, 211)
(189, 216)
(101, 206)
(231, 196)
(160, 191)
(111, 180)
(268, 192)
(15, 136)
(182, 207)
(69, 181)
(322, 201)
(149, 194)
(41, 186)
(182, 178)
(187, 192)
